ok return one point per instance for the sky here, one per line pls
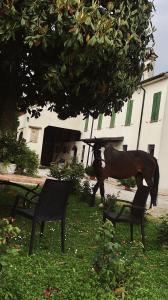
(160, 21)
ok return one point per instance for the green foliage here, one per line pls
(114, 262)
(7, 232)
(8, 147)
(16, 151)
(71, 276)
(107, 262)
(109, 202)
(130, 182)
(90, 171)
(163, 231)
(73, 172)
(85, 192)
(27, 160)
(51, 51)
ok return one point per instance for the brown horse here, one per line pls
(124, 164)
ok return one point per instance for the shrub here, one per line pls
(130, 182)
(114, 263)
(27, 160)
(7, 232)
(109, 202)
(85, 191)
(107, 262)
(16, 151)
(73, 172)
(8, 147)
(163, 230)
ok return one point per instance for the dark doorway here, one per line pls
(53, 136)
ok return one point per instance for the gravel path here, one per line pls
(161, 209)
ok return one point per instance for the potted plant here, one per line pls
(90, 172)
(8, 151)
(128, 183)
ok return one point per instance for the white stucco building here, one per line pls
(142, 124)
(51, 138)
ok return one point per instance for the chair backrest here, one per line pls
(53, 199)
(140, 200)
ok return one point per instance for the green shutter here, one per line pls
(99, 125)
(112, 121)
(86, 124)
(155, 107)
(129, 113)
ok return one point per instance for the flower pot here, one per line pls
(7, 168)
(127, 188)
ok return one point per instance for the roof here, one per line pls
(159, 76)
(103, 139)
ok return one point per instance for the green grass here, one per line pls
(48, 273)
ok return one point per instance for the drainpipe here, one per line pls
(140, 123)
(91, 131)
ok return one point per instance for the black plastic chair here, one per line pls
(51, 206)
(136, 213)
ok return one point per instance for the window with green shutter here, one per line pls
(155, 107)
(112, 121)
(129, 113)
(100, 118)
(86, 124)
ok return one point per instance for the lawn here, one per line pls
(48, 274)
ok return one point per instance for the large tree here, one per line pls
(81, 56)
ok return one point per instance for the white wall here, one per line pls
(47, 118)
(151, 132)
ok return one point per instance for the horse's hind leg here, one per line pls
(149, 182)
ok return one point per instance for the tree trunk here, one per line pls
(8, 114)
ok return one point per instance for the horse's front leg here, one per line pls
(95, 188)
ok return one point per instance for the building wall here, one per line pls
(47, 118)
(163, 150)
(152, 133)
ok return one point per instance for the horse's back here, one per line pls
(128, 162)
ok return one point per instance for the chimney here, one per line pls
(149, 66)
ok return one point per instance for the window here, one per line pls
(83, 153)
(151, 149)
(112, 121)
(129, 113)
(125, 147)
(34, 135)
(155, 107)
(86, 124)
(100, 118)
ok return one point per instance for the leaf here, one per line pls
(92, 41)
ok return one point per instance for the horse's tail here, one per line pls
(155, 183)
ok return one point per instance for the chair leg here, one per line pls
(63, 235)
(104, 218)
(42, 228)
(131, 230)
(32, 237)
